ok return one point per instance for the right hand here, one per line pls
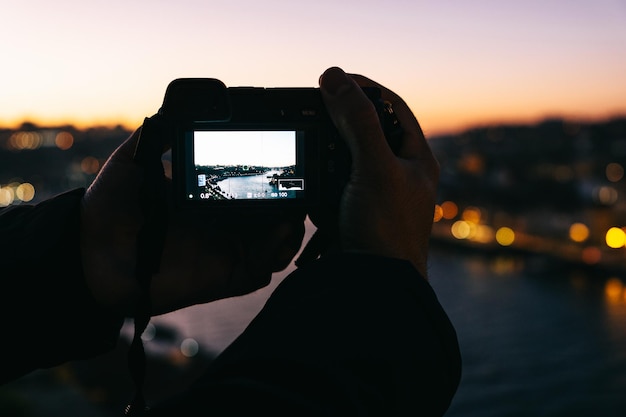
(388, 204)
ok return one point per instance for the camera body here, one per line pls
(258, 148)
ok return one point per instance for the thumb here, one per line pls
(355, 118)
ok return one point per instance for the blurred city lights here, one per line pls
(614, 290)
(605, 195)
(472, 163)
(438, 213)
(7, 195)
(578, 232)
(25, 192)
(15, 193)
(25, 140)
(505, 236)
(461, 229)
(449, 210)
(484, 234)
(31, 140)
(64, 140)
(591, 255)
(471, 214)
(90, 165)
(615, 238)
(614, 172)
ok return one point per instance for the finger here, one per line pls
(414, 144)
(355, 117)
(126, 150)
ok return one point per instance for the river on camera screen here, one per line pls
(251, 186)
(536, 340)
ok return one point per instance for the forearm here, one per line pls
(47, 311)
(347, 333)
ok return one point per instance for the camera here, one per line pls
(258, 147)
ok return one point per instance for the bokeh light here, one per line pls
(471, 214)
(450, 210)
(19, 141)
(25, 192)
(614, 290)
(189, 347)
(64, 140)
(438, 213)
(16, 192)
(90, 165)
(461, 229)
(615, 238)
(7, 195)
(505, 236)
(591, 255)
(578, 232)
(614, 172)
(484, 234)
(606, 195)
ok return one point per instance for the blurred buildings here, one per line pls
(556, 188)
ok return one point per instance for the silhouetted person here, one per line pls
(358, 331)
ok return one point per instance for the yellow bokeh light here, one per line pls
(25, 192)
(460, 229)
(615, 238)
(25, 140)
(471, 214)
(505, 236)
(578, 232)
(7, 196)
(613, 289)
(484, 234)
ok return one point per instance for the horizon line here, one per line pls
(502, 122)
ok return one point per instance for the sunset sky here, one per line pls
(457, 63)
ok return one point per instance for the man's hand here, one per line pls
(204, 258)
(387, 206)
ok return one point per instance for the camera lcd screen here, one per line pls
(246, 165)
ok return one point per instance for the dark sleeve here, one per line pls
(48, 315)
(348, 335)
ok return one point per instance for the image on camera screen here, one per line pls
(246, 165)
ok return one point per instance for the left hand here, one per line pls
(203, 259)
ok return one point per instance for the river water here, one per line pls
(536, 339)
(253, 186)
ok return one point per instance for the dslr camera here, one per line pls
(258, 148)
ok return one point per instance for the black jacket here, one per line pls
(350, 334)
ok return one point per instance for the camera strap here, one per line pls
(150, 241)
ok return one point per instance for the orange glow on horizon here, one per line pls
(79, 122)
(432, 126)
(555, 59)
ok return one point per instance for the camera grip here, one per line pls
(326, 237)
